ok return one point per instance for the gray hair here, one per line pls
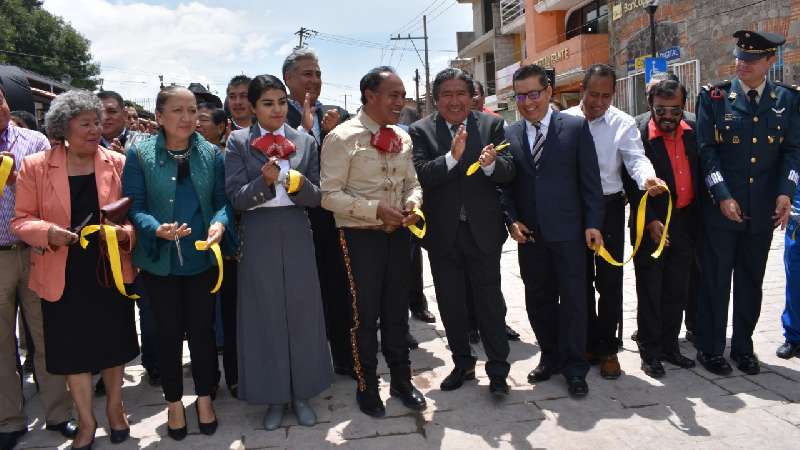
(296, 55)
(65, 107)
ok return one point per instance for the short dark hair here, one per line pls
(238, 80)
(261, 84)
(28, 118)
(479, 88)
(105, 95)
(165, 94)
(666, 89)
(218, 115)
(452, 73)
(372, 80)
(600, 70)
(531, 70)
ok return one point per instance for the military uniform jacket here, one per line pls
(749, 155)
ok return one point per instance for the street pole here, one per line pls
(416, 91)
(651, 10)
(428, 100)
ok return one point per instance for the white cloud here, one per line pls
(135, 42)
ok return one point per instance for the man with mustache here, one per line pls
(749, 145)
(662, 284)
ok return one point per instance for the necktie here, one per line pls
(752, 94)
(462, 212)
(538, 143)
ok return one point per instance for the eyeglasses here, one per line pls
(532, 95)
(668, 110)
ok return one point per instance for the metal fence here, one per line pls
(630, 95)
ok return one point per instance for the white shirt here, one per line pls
(281, 196)
(544, 124)
(451, 161)
(617, 141)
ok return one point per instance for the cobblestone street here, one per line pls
(685, 408)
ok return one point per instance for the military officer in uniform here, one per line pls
(749, 158)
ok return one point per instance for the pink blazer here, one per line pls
(42, 199)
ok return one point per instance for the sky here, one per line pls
(211, 41)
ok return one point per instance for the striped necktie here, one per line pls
(537, 144)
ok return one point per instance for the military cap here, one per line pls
(751, 45)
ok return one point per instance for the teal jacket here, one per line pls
(149, 179)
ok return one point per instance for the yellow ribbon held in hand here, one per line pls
(414, 229)
(477, 164)
(113, 254)
(640, 217)
(6, 166)
(294, 181)
(202, 246)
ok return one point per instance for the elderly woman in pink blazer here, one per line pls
(88, 325)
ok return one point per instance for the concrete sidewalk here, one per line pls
(685, 408)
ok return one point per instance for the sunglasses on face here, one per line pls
(532, 95)
(668, 111)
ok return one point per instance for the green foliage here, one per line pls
(34, 39)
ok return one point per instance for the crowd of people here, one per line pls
(306, 224)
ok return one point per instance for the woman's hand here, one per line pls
(270, 171)
(173, 231)
(60, 237)
(215, 233)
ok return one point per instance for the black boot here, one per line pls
(369, 400)
(402, 388)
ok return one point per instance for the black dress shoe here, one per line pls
(678, 360)
(87, 446)
(474, 337)
(411, 342)
(153, 376)
(207, 428)
(747, 363)
(715, 364)
(457, 378)
(542, 372)
(511, 334)
(577, 387)
(498, 387)
(9, 439)
(690, 336)
(653, 367)
(424, 316)
(788, 350)
(68, 428)
(100, 388)
(408, 394)
(177, 434)
(370, 403)
(119, 436)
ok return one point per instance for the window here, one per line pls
(776, 71)
(591, 18)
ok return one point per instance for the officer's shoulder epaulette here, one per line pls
(717, 90)
(792, 87)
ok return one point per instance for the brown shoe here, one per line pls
(609, 368)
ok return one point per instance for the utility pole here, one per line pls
(416, 91)
(303, 33)
(424, 37)
(161, 81)
(345, 102)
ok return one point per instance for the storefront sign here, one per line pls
(670, 54)
(551, 59)
(626, 6)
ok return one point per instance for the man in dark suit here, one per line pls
(465, 222)
(303, 77)
(662, 284)
(555, 209)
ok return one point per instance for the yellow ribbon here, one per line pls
(414, 229)
(477, 164)
(6, 166)
(203, 246)
(640, 217)
(294, 178)
(113, 254)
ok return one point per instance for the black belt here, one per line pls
(614, 196)
(18, 246)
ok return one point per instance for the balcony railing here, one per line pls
(510, 10)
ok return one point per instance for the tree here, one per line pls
(35, 39)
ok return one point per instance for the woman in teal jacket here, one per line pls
(176, 180)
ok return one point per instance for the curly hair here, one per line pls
(65, 107)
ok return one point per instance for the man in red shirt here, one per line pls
(662, 284)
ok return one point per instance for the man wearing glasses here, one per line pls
(554, 208)
(749, 146)
(662, 284)
(618, 144)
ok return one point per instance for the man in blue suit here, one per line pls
(554, 207)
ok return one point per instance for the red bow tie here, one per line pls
(387, 141)
(274, 145)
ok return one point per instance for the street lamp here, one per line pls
(651, 7)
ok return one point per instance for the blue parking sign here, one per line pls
(653, 66)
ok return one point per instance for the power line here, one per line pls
(417, 17)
